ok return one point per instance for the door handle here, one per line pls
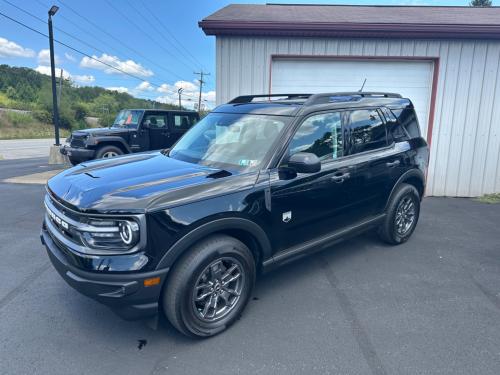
(393, 164)
(339, 178)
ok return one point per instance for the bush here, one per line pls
(43, 116)
(80, 110)
(19, 118)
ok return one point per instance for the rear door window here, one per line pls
(366, 131)
(183, 121)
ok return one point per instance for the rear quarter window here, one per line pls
(408, 120)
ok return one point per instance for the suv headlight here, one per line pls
(111, 234)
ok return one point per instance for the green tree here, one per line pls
(480, 3)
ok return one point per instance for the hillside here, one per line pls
(26, 89)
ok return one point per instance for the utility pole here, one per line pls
(60, 89)
(52, 11)
(180, 93)
(201, 74)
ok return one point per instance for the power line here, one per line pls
(180, 48)
(118, 40)
(72, 36)
(83, 53)
(131, 21)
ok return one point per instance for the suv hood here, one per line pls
(101, 131)
(141, 183)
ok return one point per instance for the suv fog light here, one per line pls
(128, 232)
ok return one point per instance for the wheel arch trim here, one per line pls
(212, 227)
(412, 173)
(108, 141)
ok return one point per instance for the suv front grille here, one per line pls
(61, 222)
(77, 140)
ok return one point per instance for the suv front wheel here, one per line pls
(108, 152)
(403, 211)
(210, 286)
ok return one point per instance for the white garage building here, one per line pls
(445, 59)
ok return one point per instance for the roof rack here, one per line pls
(347, 97)
(324, 98)
(249, 98)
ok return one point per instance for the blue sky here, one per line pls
(157, 40)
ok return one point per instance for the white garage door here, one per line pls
(412, 79)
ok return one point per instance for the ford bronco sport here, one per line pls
(260, 181)
(134, 130)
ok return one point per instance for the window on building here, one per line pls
(321, 135)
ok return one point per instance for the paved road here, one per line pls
(430, 306)
(25, 148)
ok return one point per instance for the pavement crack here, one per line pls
(360, 334)
(24, 285)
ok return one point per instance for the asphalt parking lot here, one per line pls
(430, 306)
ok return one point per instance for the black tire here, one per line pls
(181, 289)
(103, 151)
(392, 231)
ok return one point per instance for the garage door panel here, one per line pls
(412, 79)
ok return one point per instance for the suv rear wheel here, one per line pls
(108, 152)
(210, 286)
(402, 215)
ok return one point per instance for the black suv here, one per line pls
(134, 130)
(253, 185)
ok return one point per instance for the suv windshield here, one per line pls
(225, 140)
(127, 119)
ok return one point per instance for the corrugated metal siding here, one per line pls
(465, 152)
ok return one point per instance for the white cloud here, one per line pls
(83, 78)
(44, 69)
(144, 86)
(190, 94)
(70, 57)
(11, 49)
(120, 89)
(44, 57)
(128, 66)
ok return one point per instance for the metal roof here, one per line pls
(354, 21)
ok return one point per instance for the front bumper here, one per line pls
(125, 294)
(78, 154)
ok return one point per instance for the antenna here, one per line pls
(363, 86)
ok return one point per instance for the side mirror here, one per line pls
(304, 162)
(146, 124)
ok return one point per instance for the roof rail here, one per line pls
(347, 96)
(249, 98)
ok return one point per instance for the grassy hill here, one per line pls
(26, 89)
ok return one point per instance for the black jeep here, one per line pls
(255, 184)
(134, 130)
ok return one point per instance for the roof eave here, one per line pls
(355, 30)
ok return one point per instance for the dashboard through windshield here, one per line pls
(230, 141)
(127, 119)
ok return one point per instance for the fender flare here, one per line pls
(405, 176)
(204, 230)
(103, 140)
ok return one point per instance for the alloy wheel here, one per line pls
(218, 289)
(109, 154)
(405, 215)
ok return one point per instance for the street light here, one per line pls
(52, 11)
